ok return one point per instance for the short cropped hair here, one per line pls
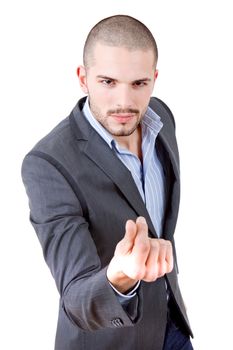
(119, 31)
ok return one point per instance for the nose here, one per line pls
(124, 97)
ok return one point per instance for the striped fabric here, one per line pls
(148, 175)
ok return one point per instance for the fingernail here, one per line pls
(141, 219)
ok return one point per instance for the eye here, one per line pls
(107, 82)
(139, 83)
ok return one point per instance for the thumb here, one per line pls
(130, 231)
(127, 243)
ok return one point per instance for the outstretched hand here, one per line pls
(139, 257)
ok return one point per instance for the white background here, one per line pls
(41, 46)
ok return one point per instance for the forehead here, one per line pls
(110, 60)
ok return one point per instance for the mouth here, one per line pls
(123, 117)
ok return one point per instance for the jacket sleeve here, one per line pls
(69, 250)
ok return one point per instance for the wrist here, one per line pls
(121, 282)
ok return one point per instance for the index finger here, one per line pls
(141, 244)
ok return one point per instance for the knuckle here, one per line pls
(155, 243)
(162, 271)
(137, 274)
(151, 273)
(123, 246)
(119, 246)
(164, 242)
(143, 246)
(152, 276)
(170, 267)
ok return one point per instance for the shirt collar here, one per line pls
(96, 125)
(151, 122)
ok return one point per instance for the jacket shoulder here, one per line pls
(55, 139)
(62, 137)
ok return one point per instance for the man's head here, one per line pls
(120, 57)
(119, 31)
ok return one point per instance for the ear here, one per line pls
(82, 76)
(156, 74)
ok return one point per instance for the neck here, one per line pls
(132, 142)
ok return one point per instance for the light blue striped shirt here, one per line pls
(148, 175)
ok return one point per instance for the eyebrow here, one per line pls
(136, 80)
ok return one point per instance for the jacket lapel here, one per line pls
(168, 144)
(171, 164)
(105, 158)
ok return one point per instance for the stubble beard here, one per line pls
(103, 120)
(123, 131)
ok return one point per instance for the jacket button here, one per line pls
(117, 322)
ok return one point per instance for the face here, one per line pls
(119, 84)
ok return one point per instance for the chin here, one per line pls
(122, 132)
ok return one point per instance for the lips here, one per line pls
(122, 118)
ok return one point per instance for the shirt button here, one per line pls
(117, 322)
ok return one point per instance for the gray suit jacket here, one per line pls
(80, 196)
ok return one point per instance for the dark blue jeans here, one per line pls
(175, 339)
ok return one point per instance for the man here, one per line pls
(103, 190)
